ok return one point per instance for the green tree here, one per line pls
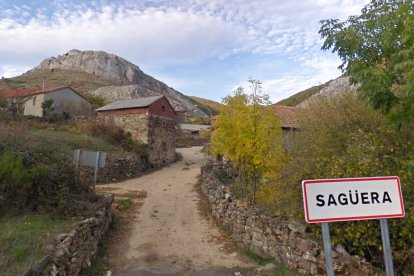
(249, 135)
(48, 107)
(3, 102)
(377, 51)
(96, 101)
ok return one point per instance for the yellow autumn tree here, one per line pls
(248, 134)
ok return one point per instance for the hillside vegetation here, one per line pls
(213, 105)
(40, 193)
(300, 97)
(82, 82)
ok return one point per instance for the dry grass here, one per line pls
(213, 105)
(82, 82)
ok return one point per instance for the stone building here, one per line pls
(150, 120)
(29, 101)
(287, 116)
(189, 135)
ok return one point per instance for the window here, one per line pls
(34, 101)
(163, 109)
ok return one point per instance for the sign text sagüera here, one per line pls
(344, 199)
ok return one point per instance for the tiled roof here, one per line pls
(130, 103)
(10, 93)
(287, 115)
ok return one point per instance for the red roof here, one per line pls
(287, 115)
(10, 93)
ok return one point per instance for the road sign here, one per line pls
(327, 200)
(89, 158)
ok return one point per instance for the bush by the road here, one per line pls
(344, 137)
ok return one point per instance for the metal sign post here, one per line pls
(327, 248)
(94, 159)
(95, 175)
(76, 156)
(386, 247)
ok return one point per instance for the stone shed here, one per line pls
(150, 120)
(288, 118)
(189, 135)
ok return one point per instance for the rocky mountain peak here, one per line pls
(99, 63)
(135, 83)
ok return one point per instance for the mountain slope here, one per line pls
(299, 97)
(91, 71)
(326, 90)
(213, 105)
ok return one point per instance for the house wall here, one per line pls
(65, 100)
(156, 108)
(188, 138)
(289, 137)
(161, 140)
(155, 131)
(134, 123)
(33, 105)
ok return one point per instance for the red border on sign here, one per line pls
(318, 181)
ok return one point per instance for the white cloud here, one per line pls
(156, 34)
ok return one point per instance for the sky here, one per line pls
(204, 48)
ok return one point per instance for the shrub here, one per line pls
(114, 135)
(343, 137)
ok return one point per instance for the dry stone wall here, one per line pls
(136, 124)
(270, 235)
(73, 251)
(155, 131)
(117, 168)
(161, 140)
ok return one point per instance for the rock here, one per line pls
(314, 269)
(108, 66)
(298, 227)
(266, 270)
(341, 250)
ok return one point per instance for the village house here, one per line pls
(189, 135)
(150, 120)
(287, 116)
(29, 101)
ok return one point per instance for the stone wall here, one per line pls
(117, 168)
(136, 124)
(185, 138)
(155, 131)
(271, 236)
(73, 251)
(161, 140)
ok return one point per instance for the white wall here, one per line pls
(64, 100)
(33, 105)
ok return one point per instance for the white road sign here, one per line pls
(327, 200)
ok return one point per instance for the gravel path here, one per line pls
(169, 236)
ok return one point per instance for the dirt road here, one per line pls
(169, 236)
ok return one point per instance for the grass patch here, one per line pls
(124, 203)
(257, 258)
(67, 141)
(24, 240)
(100, 264)
(281, 269)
